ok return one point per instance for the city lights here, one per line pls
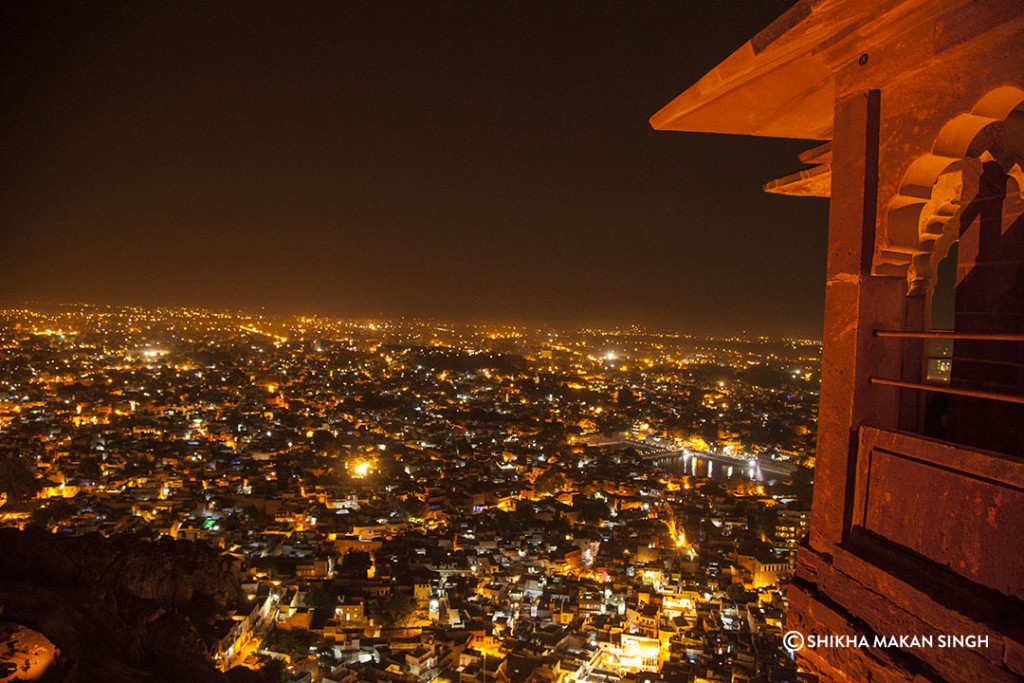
(429, 462)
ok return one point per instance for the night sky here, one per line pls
(474, 161)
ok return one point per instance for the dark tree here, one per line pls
(593, 510)
(16, 479)
(625, 397)
(393, 610)
(356, 562)
(318, 598)
(551, 481)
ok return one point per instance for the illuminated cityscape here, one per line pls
(416, 501)
(463, 342)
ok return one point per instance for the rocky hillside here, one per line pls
(119, 609)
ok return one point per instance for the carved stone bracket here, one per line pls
(917, 229)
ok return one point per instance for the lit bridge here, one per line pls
(754, 468)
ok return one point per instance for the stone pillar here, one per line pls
(856, 304)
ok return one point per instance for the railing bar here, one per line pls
(1009, 398)
(949, 334)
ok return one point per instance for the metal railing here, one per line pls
(950, 334)
(942, 373)
(943, 389)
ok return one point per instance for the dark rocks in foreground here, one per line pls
(119, 609)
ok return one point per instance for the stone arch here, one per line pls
(919, 224)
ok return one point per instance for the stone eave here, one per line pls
(811, 182)
(779, 84)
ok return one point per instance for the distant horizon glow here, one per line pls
(382, 323)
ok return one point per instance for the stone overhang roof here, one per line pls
(781, 83)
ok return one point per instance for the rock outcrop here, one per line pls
(119, 609)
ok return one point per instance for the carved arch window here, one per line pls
(919, 224)
(966, 191)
